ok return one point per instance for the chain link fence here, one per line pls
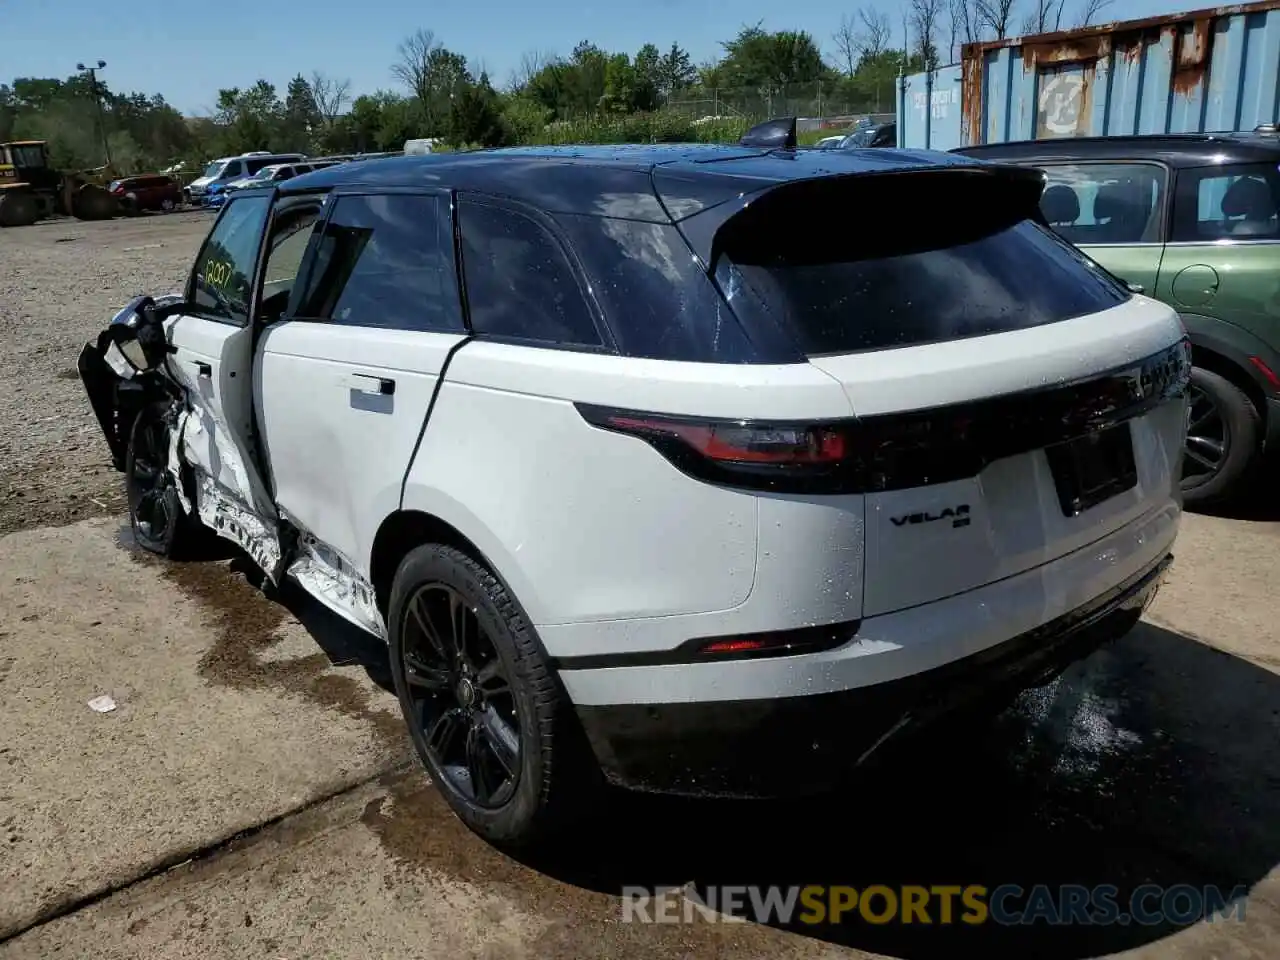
(811, 100)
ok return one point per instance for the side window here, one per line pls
(231, 170)
(253, 166)
(1238, 202)
(1105, 202)
(657, 302)
(291, 234)
(385, 261)
(519, 281)
(223, 275)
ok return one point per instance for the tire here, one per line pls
(92, 202)
(1222, 414)
(18, 209)
(167, 205)
(526, 739)
(159, 523)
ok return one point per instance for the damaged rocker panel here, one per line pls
(203, 459)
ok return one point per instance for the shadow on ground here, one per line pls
(1152, 762)
(1149, 763)
(1260, 503)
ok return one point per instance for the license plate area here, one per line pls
(1094, 468)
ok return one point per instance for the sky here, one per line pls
(187, 50)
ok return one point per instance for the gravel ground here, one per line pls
(60, 282)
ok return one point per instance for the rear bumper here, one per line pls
(774, 747)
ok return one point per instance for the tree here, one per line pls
(997, 15)
(475, 116)
(676, 71)
(302, 119)
(1045, 16)
(756, 58)
(251, 117)
(924, 18)
(412, 68)
(848, 45)
(331, 95)
(966, 21)
(1090, 10)
(647, 67)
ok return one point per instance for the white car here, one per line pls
(638, 475)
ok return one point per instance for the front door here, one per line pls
(212, 358)
(347, 374)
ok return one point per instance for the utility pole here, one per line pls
(97, 102)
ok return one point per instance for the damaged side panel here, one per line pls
(213, 476)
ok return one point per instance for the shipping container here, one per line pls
(1210, 70)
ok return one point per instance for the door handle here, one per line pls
(203, 369)
(367, 383)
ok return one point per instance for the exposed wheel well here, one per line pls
(400, 533)
(1207, 359)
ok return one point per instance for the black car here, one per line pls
(883, 135)
(1193, 220)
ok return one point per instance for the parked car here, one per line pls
(1192, 220)
(276, 173)
(879, 135)
(226, 169)
(638, 473)
(147, 192)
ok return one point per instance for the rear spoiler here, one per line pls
(873, 214)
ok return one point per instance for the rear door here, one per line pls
(968, 352)
(1114, 211)
(348, 373)
(213, 351)
(1224, 251)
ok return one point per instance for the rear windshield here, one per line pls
(1016, 277)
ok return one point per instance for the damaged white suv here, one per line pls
(638, 475)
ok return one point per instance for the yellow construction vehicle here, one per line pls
(30, 189)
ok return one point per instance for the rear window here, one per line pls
(842, 301)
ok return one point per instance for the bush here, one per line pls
(662, 126)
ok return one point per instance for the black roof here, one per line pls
(620, 181)
(1174, 149)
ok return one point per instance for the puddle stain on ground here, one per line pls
(1065, 780)
(245, 624)
(416, 828)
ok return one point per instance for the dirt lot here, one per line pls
(59, 284)
(252, 795)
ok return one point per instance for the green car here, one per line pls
(1190, 219)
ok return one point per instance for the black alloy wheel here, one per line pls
(1207, 438)
(155, 512)
(1222, 442)
(463, 710)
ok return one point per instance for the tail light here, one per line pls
(796, 457)
(899, 451)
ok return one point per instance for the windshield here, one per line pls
(213, 169)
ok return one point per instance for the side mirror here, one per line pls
(1135, 287)
(134, 342)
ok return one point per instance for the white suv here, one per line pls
(638, 473)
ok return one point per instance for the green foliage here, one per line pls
(591, 95)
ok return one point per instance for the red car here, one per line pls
(149, 192)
